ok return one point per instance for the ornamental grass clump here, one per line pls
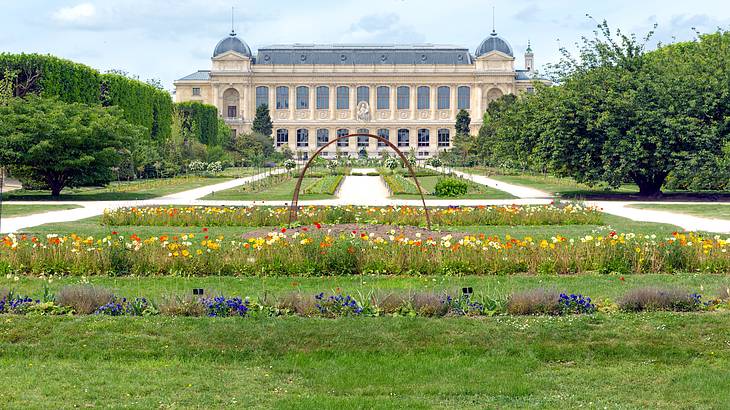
(84, 299)
(430, 304)
(660, 299)
(534, 302)
(176, 305)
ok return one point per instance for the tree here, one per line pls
(262, 122)
(463, 120)
(57, 144)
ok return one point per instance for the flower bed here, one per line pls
(316, 252)
(570, 214)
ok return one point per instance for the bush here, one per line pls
(176, 305)
(534, 302)
(84, 299)
(430, 304)
(451, 187)
(653, 299)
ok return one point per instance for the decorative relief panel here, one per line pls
(384, 115)
(343, 114)
(404, 115)
(424, 114)
(444, 115)
(302, 114)
(323, 115)
(282, 115)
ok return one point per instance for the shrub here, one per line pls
(451, 187)
(296, 303)
(176, 305)
(429, 304)
(221, 306)
(534, 302)
(391, 303)
(84, 299)
(576, 304)
(653, 299)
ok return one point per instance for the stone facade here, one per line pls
(409, 93)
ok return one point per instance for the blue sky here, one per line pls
(167, 39)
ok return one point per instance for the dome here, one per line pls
(494, 43)
(232, 43)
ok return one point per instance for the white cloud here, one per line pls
(79, 13)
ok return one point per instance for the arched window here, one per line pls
(403, 97)
(383, 102)
(424, 137)
(302, 137)
(262, 96)
(323, 97)
(363, 141)
(403, 137)
(282, 137)
(323, 137)
(282, 98)
(343, 98)
(444, 98)
(231, 96)
(463, 98)
(383, 133)
(423, 98)
(302, 97)
(363, 94)
(444, 138)
(341, 133)
(494, 94)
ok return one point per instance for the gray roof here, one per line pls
(201, 75)
(523, 75)
(232, 43)
(494, 43)
(348, 54)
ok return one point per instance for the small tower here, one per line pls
(529, 58)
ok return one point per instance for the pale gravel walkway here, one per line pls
(515, 190)
(363, 189)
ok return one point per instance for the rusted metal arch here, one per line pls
(294, 208)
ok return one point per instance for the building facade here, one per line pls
(409, 94)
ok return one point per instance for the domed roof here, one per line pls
(232, 43)
(494, 43)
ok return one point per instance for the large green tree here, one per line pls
(463, 120)
(57, 144)
(262, 122)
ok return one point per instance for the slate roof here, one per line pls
(200, 75)
(232, 43)
(349, 54)
(494, 43)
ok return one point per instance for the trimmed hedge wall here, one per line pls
(201, 119)
(48, 76)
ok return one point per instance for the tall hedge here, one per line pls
(47, 75)
(201, 119)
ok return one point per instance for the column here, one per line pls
(452, 96)
(413, 103)
(292, 99)
(392, 102)
(434, 101)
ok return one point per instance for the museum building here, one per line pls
(407, 93)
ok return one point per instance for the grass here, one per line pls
(117, 191)
(476, 191)
(719, 211)
(657, 360)
(278, 192)
(10, 210)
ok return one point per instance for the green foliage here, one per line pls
(201, 120)
(463, 120)
(60, 144)
(451, 187)
(262, 122)
(254, 149)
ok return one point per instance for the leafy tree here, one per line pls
(463, 120)
(57, 144)
(262, 122)
(254, 148)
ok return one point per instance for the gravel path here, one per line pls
(363, 190)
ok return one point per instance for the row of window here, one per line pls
(382, 97)
(403, 137)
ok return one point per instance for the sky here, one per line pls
(168, 39)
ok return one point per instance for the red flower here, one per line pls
(318, 225)
(205, 237)
(114, 232)
(283, 230)
(305, 229)
(205, 229)
(622, 278)
(354, 232)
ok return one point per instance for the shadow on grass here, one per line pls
(702, 196)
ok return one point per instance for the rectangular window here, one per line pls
(282, 98)
(444, 98)
(323, 137)
(343, 142)
(383, 98)
(232, 111)
(302, 137)
(403, 138)
(262, 96)
(343, 98)
(362, 141)
(302, 98)
(423, 98)
(423, 137)
(282, 137)
(463, 98)
(383, 133)
(196, 91)
(403, 97)
(323, 98)
(363, 94)
(444, 139)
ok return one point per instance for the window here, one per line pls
(383, 102)
(196, 91)
(444, 98)
(343, 98)
(403, 138)
(302, 137)
(262, 96)
(531, 90)
(323, 97)
(383, 133)
(444, 138)
(403, 97)
(232, 111)
(341, 133)
(424, 98)
(323, 137)
(363, 141)
(363, 94)
(423, 137)
(282, 137)
(282, 98)
(302, 98)
(463, 97)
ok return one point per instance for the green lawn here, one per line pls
(132, 190)
(10, 210)
(719, 211)
(278, 192)
(476, 191)
(658, 360)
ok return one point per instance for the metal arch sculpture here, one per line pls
(294, 208)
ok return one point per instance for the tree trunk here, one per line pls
(650, 186)
(56, 190)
